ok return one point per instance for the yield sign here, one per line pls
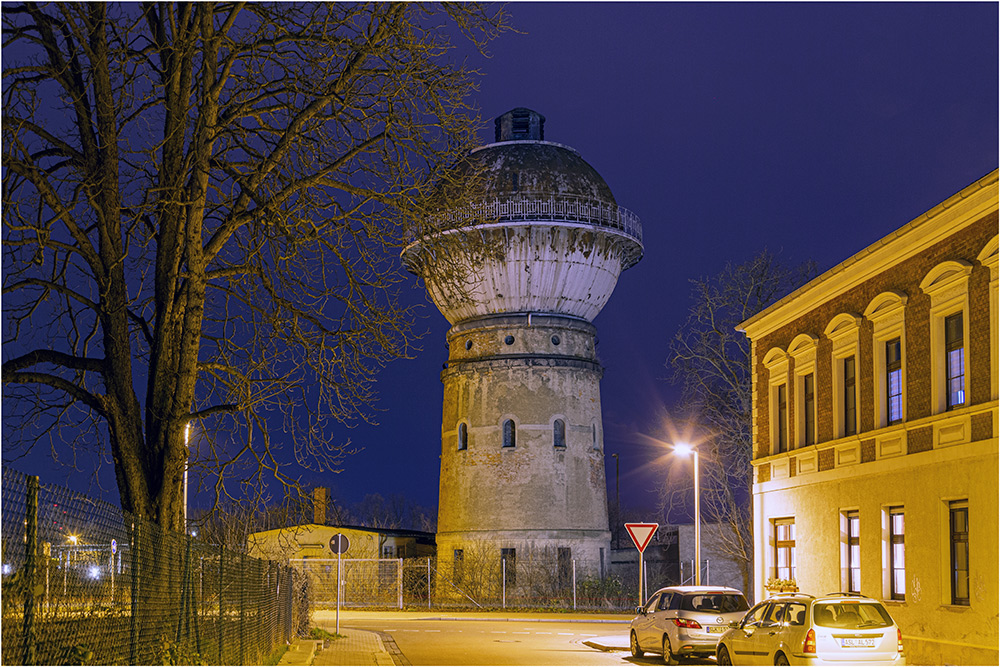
(641, 533)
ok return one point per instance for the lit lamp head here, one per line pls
(72, 539)
(683, 448)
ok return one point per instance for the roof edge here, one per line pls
(754, 326)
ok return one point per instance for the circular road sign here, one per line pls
(339, 543)
(114, 546)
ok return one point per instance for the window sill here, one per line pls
(959, 608)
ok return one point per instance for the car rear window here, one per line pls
(715, 603)
(851, 615)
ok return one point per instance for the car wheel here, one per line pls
(633, 644)
(723, 657)
(780, 659)
(668, 655)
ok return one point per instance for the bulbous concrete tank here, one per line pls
(522, 457)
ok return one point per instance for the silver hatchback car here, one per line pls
(799, 629)
(685, 621)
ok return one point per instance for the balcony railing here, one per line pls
(563, 207)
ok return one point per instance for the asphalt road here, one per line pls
(508, 642)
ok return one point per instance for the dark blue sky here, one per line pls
(811, 129)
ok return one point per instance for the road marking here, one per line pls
(543, 633)
(568, 634)
(585, 635)
(432, 631)
(499, 632)
(520, 633)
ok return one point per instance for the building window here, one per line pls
(463, 436)
(509, 433)
(809, 405)
(954, 345)
(894, 381)
(897, 554)
(959, 519)
(853, 552)
(850, 398)
(782, 419)
(784, 549)
(559, 434)
(508, 558)
(593, 435)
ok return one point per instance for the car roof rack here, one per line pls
(843, 594)
(794, 595)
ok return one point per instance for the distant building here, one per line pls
(718, 566)
(875, 430)
(312, 541)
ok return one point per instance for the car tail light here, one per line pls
(686, 623)
(809, 645)
(899, 641)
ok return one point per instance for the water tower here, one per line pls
(522, 443)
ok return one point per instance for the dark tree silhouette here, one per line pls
(203, 208)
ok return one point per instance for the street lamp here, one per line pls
(684, 449)
(618, 502)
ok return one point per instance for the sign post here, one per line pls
(339, 544)
(641, 534)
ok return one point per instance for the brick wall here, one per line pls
(905, 276)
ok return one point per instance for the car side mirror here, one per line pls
(734, 624)
(640, 611)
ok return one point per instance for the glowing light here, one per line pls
(683, 448)
(7, 569)
(72, 539)
(94, 572)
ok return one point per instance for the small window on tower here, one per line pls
(513, 181)
(521, 124)
(559, 434)
(463, 436)
(509, 433)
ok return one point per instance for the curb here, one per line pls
(301, 652)
(527, 620)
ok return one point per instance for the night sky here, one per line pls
(810, 129)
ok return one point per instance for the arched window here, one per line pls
(463, 436)
(559, 433)
(593, 435)
(509, 433)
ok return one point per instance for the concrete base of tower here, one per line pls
(517, 566)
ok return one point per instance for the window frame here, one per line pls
(958, 540)
(954, 344)
(462, 436)
(947, 284)
(843, 332)
(787, 545)
(887, 313)
(852, 563)
(895, 538)
(559, 433)
(776, 363)
(802, 350)
(508, 433)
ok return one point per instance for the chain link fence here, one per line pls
(86, 583)
(536, 583)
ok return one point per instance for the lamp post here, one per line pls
(618, 502)
(685, 449)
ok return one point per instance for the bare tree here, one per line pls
(203, 209)
(712, 361)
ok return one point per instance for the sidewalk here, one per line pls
(356, 647)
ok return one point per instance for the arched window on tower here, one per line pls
(559, 434)
(593, 435)
(509, 433)
(463, 436)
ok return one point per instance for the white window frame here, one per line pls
(988, 257)
(776, 363)
(845, 548)
(887, 559)
(803, 351)
(947, 284)
(886, 312)
(844, 332)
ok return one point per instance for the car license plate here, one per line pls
(858, 642)
(717, 629)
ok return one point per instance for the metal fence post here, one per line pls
(503, 570)
(30, 565)
(574, 584)
(222, 554)
(134, 594)
(428, 583)
(243, 608)
(399, 582)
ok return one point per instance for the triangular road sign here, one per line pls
(641, 533)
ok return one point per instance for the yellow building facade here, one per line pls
(875, 431)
